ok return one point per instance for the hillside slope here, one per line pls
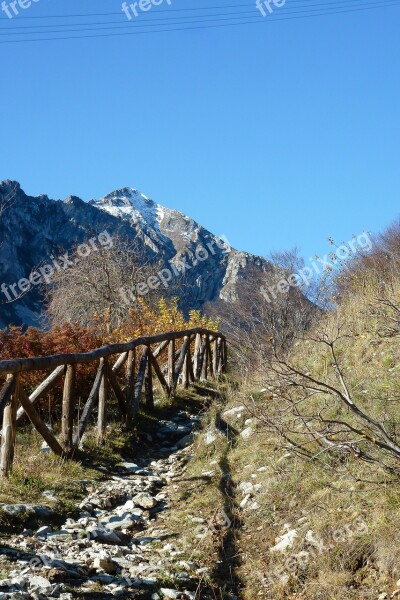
(315, 502)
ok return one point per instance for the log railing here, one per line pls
(126, 370)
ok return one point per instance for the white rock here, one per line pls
(209, 438)
(208, 473)
(246, 487)
(43, 531)
(119, 522)
(105, 564)
(284, 541)
(247, 433)
(144, 500)
(45, 448)
(128, 466)
(196, 519)
(117, 592)
(19, 581)
(170, 594)
(245, 501)
(233, 412)
(49, 495)
(284, 457)
(40, 584)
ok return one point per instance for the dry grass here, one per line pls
(356, 552)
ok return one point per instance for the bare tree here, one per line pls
(105, 284)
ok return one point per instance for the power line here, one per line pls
(372, 4)
(150, 19)
(254, 22)
(163, 10)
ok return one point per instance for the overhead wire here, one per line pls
(260, 20)
(152, 18)
(160, 10)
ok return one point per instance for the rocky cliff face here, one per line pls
(34, 230)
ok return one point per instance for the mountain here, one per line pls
(35, 230)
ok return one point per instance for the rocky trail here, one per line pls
(117, 545)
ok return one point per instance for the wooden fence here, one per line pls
(124, 369)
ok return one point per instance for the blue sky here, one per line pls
(275, 134)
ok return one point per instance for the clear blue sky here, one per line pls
(275, 134)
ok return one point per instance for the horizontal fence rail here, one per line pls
(125, 370)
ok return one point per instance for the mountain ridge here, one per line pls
(33, 228)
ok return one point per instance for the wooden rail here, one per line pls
(190, 355)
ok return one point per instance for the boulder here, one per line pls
(124, 521)
(105, 564)
(40, 584)
(144, 500)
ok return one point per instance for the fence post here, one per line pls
(215, 358)
(140, 379)
(148, 382)
(102, 412)
(186, 365)
(225, 356)
(130, 384)
(204, 370)
(68, 409)
(171, 366)
(196, 357)
(9, 426)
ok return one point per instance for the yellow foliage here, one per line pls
(146, 320)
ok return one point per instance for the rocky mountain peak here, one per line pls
(32, 229)
(9, 187)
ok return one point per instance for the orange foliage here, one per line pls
(73, 338)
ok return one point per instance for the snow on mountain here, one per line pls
(129, 203)
(151, 219)
(32, 229)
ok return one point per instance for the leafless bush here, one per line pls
(318, 417)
